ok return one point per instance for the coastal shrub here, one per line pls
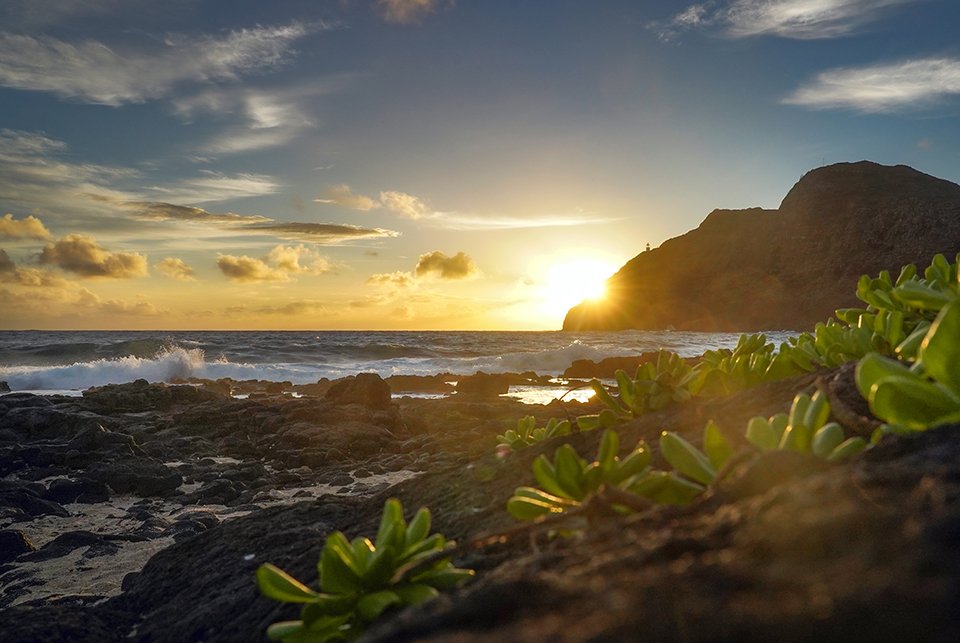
(656, 384)
(360, 580)
(527, 433)
(925, 394)
(570, 480)
(753, 361)
(804, 429)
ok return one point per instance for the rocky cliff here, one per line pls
(788, 268)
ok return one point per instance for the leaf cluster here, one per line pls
(527, 433)
(360, 579)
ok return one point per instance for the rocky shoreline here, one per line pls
(140, 511)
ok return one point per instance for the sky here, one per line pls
(423, 164)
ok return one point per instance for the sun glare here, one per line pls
(567, 284)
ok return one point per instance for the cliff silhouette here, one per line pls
(757, 269)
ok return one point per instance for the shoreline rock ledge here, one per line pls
(789, 268)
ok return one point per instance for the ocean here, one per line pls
(70, 361)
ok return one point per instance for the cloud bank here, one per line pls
(83, 256)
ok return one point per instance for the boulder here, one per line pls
(366, 389)
(13, 542)
(484, 385)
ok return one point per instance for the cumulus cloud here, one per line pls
(798, 19)
(342, 195)
(83, 256)
(437, 264)
(404, 204)
(398, 279)
(93, 72)
(278, 265)
(27, 228)
(175, 269)
(406, 12)
(882, 88)
(30, 277)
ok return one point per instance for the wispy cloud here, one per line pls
(344, 196)
(406, 205)
(255, 224)
(263, 117)
(215, 186)
(93, 72)
(798, 19)
(454, 221)
(407, 11)
(892, 87)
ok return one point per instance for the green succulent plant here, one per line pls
(569, 480)
(656, 385)
(926, 394)
(804, 429)
(753, 361)
(527, 433)
(360, 580)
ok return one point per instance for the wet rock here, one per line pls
(366, 389)
(13, 543)
(30, 504)
(483, 385)
(70, 541)
(141, 477)
(190, 524)
(66, 491)
(215, 492)
(4, 387)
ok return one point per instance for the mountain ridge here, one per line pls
(760, 269)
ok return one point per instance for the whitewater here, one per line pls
(76, 360)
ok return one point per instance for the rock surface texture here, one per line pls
(789, 268)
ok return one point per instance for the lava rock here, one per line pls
(13, 543)
(141, 477)
(483, 385)
(366, 389)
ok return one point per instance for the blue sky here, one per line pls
(423, 163)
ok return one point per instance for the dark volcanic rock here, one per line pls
(366, 389)
(484, 385)
(13, 542)
(784, 269)
(140, 477)
(4, 387)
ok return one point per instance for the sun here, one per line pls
(568, 283)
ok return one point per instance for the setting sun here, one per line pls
(567, 284)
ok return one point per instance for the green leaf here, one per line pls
(606, 398)
(826, 439)
(798, 411)
(628, 394)
(361, 549)
(760, 434)
(284, 629)
(716, 445)
(638, 460)
(667, 488)
(418, 529)
(817, 412)
(686, 458)
(416, 593)
(588, 422)
(337, 576)
(917, 295)
(546, 476)
(392, 526)
(446, 578)
(914, 404)
(373, 605)
(940, 351)
(569, 467)
(277, 584)
(609, 448)
(529, 509)
(909, 347)
(873, 368)
(381, 568)
(847, 449)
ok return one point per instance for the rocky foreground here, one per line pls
(203, 488)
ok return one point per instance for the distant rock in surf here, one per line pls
(789, 268)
